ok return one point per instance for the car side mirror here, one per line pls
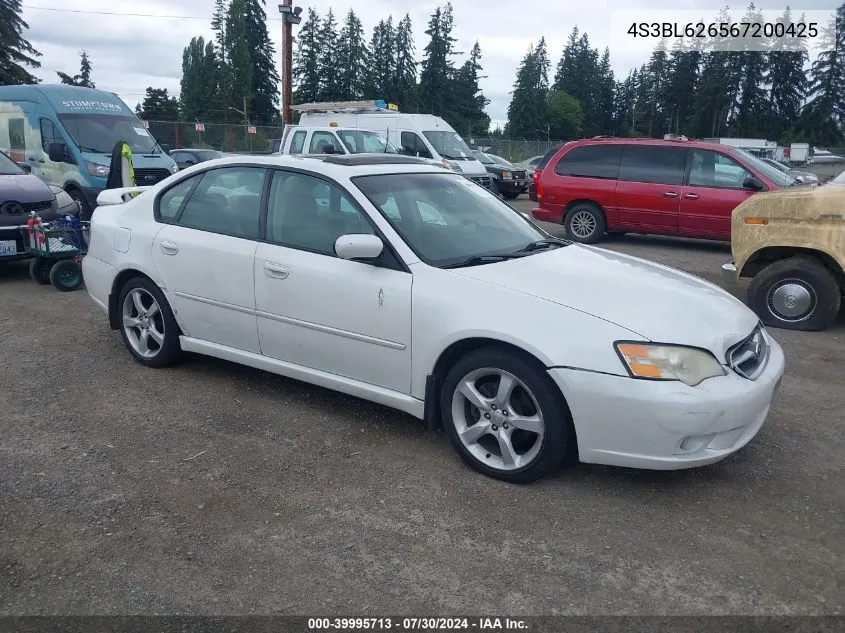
(58, 152)
(328, 149)
(26, 167)
(752, 183)
(358, 247)
(165, 148)
(188, 161)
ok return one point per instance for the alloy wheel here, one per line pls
(143, 323)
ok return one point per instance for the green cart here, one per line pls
(57, 250)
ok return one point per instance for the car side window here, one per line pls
(309, 213)
(49, 134)
(656, 164)
(591, 161)
(226, 201)
(712, 169)
(321, 140)
(412, 144)
(297, 143)
(171, 200)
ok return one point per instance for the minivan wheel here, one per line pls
(584, 223)
(798, 293)
(504, 416)
(147, 325)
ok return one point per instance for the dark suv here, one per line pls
(667, 187)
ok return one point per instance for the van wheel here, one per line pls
(84, 208)
(797, 293)
(584, 223)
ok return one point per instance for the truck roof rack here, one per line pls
(376, 105)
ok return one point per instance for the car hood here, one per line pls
(653, 302)
(24, 188)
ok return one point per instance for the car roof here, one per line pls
(651, 141)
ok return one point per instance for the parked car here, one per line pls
(541, 164)
(21, 193)
(448, 297)
(792, 244)
(507, 180)
(667, 187)
(530, 166)
(185, 157)
(825, 157)
(804, 177)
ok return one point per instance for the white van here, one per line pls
(307, 139)
(423, 135)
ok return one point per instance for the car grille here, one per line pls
(748, 357)
(518, 175)
(484, 181)
(21, 209)
(150, 176)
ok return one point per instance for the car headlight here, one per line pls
(100, 171)
(651, 361)
(452, 165)
(506, 175)
(174, 168)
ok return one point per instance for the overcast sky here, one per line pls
(130, 53)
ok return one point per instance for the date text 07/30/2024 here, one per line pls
(493, 624)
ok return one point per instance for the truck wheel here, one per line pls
(85, 210)
(798, 293)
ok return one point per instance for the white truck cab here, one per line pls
(423, 135)
(318, 139)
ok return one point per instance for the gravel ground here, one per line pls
(213, 488)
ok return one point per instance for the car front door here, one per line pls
(316, 310)
(205, 250)
(715, 187)
(650, 185)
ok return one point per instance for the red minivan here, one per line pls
(667, 187)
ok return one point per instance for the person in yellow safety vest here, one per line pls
(121, 171)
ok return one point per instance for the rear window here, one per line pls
(653, 164)
(591, 161)
(545, 158)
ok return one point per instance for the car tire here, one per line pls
(39, 270)
(85, 210)
(500, 447)
(147, 325)
(510, 196)
(798, 293)
(584, 223)
(66, 275)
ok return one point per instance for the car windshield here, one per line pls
(364, 142)
(501, 161)
(448, 220)
(781, 168)
(449, 145)
(776, 176)
(839, 180)
(100, 132)
(8, 167)
(483, 158)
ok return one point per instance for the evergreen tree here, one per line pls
(468, 101)
(437, 70)
(306, 61)
(752, 108)
(580, 75)
(788, 83)
(382, 70)
(328, 36)
(352, 59)
(681, 86)
(565, 116)
(15, 51)
(527, 109)
(405, 70)
(652, 90)
(239, 69)
(264, 84)
(824, 113)
(624, 105)
(199, 71)
(158, 106)
(566, 76)
(83, 79)
(604, 95)
(218, 25)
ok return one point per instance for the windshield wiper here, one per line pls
(536, 246)
(477, 260)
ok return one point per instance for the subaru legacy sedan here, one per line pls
(402, 283)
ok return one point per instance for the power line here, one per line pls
(128, 15)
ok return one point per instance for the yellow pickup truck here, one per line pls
(791, 242)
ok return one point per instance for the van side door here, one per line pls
(650, 185)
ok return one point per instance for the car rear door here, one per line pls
(715, 187)
(585, 172)
(648, 195)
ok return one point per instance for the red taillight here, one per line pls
(536, 177)
(541, 191)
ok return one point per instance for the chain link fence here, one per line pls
(245, 138)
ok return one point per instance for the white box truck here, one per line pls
(422, 135)
(800, 154)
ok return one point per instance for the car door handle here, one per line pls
(277, 271)
(670, 194)
(691, 196)
(169, 248)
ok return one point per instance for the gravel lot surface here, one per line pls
(214, 488)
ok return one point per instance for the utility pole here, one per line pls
(290, 16)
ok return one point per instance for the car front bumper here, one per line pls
(511, 186)
(666, 425)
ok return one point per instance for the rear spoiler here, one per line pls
(118, 195)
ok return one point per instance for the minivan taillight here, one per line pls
(536, 176)
(540, 191)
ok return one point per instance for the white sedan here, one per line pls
(411, 286)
